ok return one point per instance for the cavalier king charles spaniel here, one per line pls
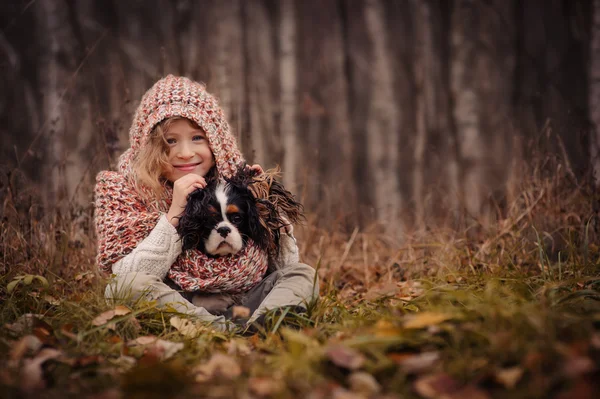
(220, 218)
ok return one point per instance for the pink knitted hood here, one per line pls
(180, 96)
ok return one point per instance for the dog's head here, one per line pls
(219, 219)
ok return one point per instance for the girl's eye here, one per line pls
(171, 141)
(198, 138)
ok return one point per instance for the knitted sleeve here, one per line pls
(287, 254)
(124, 224)
(155, 254)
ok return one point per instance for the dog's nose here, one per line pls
(223, 231)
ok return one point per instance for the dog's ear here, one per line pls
(188, 228)
(260, 217)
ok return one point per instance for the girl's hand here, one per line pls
(182, 187)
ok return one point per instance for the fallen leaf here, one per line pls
(145, 340)
(32, 375)
(381, 290)
(418, 363)
(385, 328)
(426, 319)
(160, 348)
(365, 383)
(435, 385)
(105, 317)
(342, 393)
(219, 365)
(51, 300)
(240, 312)
(509, 377)
(67, 331)
(345, 357)
(578, 365)
(468, 392)
(186, 327)
(29, 343)
(24, 323)
(262, 386)
(45, 335)
(595, 341)
(238, 347)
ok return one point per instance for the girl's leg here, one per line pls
(293, 286)
(136, 285)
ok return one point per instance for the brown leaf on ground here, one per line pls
(29, 343)
(219, 365)
(381, 290)
(67, 331)
(364, 383)
(345, 357)
(595, 341)
(468, 392)
(32, 375)
(416, 363)
(24, 323)
(385, 328)
(342, 393)
(186, 327)
(263, 387)
(240, 347)
(578, 365)
(509, 377)
(105, 317)
(425, 319)
(435, 385)
(156, 348)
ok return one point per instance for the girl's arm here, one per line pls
(288, 249)
(153, 255)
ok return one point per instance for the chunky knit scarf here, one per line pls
(126, 212)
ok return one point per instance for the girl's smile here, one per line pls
(189, 150)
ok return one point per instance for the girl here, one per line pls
(179, 138)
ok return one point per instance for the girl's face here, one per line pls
(189, 151)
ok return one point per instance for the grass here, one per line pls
(507, 309)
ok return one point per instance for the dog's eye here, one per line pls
(235, 218)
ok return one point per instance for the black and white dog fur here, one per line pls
(220, 219)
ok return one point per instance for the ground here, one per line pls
(506, 308)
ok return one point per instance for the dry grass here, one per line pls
(508, 309)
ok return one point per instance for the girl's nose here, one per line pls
(185, 152)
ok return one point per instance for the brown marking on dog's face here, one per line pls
(213, 210)
(232, 209)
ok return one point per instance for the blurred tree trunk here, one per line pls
(56, 58)
(261, 136)
(482, 71)
(594, 96)
(382, 118)
(323, 156)
(435, 170)
(289, 92)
